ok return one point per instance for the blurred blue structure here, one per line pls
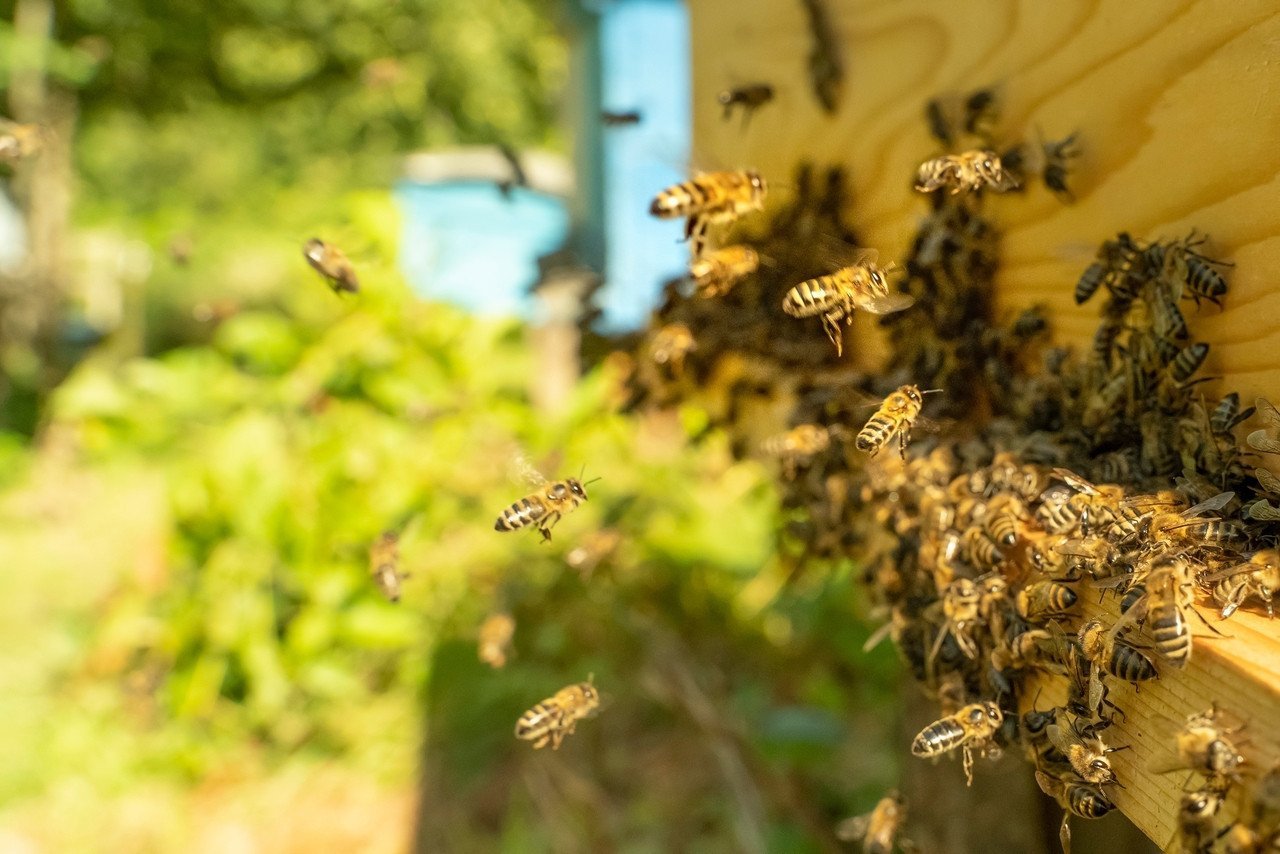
(470, 242)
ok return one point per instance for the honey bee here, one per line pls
(543, 508)
(671, 344)
(19, 141)
(715, 273)
(980, 549)
(1085, 751)
(749, 98)
(1240, 838)
(556, 717)
(330, 262)
(1186, 265)
(1196, 813)
(384, 565)
(1004, 515)
(1170, 592)
(861, 285)
(974, 726)
(1090, 281)
(1029, 648)
(710, 198)
(1258, 577)
(1076, 798)
(494, 641)
(960, 610)
(971, 170)
(594, 549)
(1041, 601)
(797, 445)
(1187, 362)
(1106, 650)
(1056, 157)
(879, 828)
(896, 416)
(981, 112)
(1205, 748)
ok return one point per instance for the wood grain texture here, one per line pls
(1177, 106)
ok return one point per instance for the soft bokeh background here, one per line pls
(200, 442)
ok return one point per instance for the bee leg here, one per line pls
(556, 737)
(548, 522)
(1064, 833)
(542, 742)
(695, 231)
(831, 323)
(967, 760)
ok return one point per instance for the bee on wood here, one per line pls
(1106, 649)
(710, 198)
(1086, 752)
(1041, 601)
(384, 565)
(670, 345)
(494, 640)
(716, 272)
(1076, 798)
(1259, 577)
(330, 262)
(879, 828)
(19, 141)
(543, 508)
(974, 726)
(1186, 266)
(895, 417)
(1057, 155)
(861, 285)
(1204, 747)
(971, 170)
(556, 717)
(748, 98)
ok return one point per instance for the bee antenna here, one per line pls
(932, 390)
(593, 480)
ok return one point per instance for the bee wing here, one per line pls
(886, 304)
(853, 829)
(869, 256)
(1062, 737)
(1227, 572)
(1261, 440)
(1217, 502)
(1268, 412)
(1262, 511)
(1075, 481)
(523, 469)
(1267, 480)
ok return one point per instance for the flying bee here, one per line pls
(330, 262)
(970, 170)
(716, 272)
(1196, 813)
(749, 98)
(620, 118)
(879, 828)
(974, 726)
(1258, 577)
(494, 640)
(862, 285)
(1086, 752)
(556, 717)
(798, 445)
(1056, 157)
(1105, 649)
(543, 508)
(710, 198)
(1204, 747)
(1041, 601)
(896, 416)
(384, 565)
(670, 345)
(594, 549)
(19, 141)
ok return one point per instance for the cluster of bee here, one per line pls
(1041, 478)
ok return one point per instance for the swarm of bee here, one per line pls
(1059, 477)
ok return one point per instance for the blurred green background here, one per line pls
(195, 657)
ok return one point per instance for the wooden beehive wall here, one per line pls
(1177, 108)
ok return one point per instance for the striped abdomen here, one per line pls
(712, 193)
(938, 737)
(1170, 632)
(937, 173)
(1088, 801)
(540, 722)
(526, 511)
(814, 297)
(1203, 281)
(1089, 282)
(1130, 664)
(877, 433)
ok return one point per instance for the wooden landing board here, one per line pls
(1177, 106)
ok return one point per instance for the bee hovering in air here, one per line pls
(555, 717)
(877, 829)
(19, 141)
(861, 285)
(542, 508)
(330, 262)
(384, 565)
(896, 416)
(716, 272)
(798, 445)
(710, 198)
(973, 726)
(670, 345)
(494, 640)
(749, 98)
(1057, 157)
(970, 170)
